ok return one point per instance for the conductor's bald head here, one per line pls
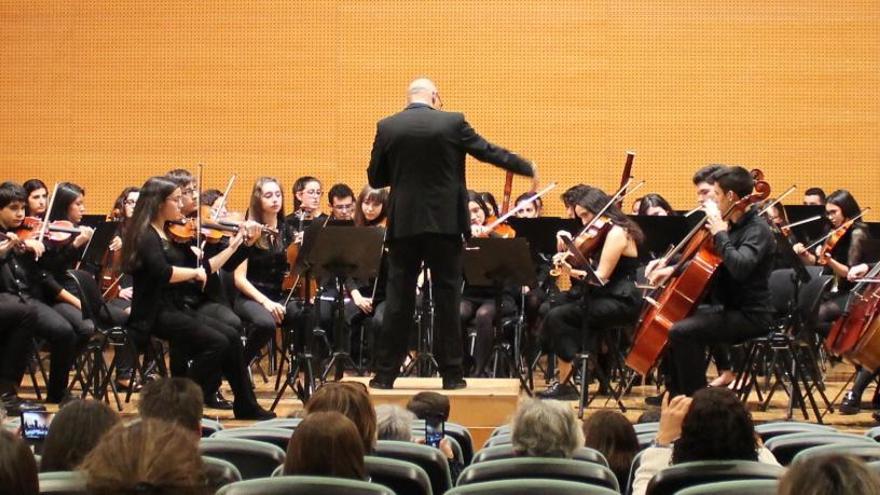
(423, 91)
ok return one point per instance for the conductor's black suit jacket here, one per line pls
(420, 153)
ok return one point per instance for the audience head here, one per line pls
(352, 400)
(814, 196)
(74, 432)
(394, 423)
(326, 444)
(176, 400)
(545, 428)
(613, 435)
(429, 405)
(18, 469)
(149, 456)
(651, 415)
(829, 475)
(716, 427)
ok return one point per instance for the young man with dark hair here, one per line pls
(814, 196)
(177, 400)
(22, 312)
(341, 199)
(740, 287)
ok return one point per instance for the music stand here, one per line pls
(344, 253)
(812, 230)
(424, 364)
(541, 232)
(93, 255)
(661, 233)
(494, 262)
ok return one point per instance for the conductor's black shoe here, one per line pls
(559, 391)
(850, 404)
(379, 383)
(256, 412)
(453, 383)
(217, 401)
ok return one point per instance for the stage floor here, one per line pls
(487, 403)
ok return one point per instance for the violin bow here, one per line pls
(522, 204)
(199, 218)
(44, 227)
(843, 226)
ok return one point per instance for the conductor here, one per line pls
(420, 153)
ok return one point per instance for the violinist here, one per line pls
(739, 303)
(306, 205)
(654, 205)
(531, 210)
(213, 199)
(260, 298)
(69, 206)
(371, 207)
(23, 284)
(477, 307)
(570, 197)
(602, 307)
(37, 198)
(341, 199)
(168, 301)
(841, 251)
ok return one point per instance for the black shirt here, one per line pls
(267, 264)
(747, 249)
(21, 274)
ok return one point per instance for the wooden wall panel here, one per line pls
(108, 93)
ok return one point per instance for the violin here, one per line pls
(59, 231)
(185, 230)
(293, 282)
(824, 252)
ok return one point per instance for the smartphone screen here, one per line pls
(435, 429)
(35, 424)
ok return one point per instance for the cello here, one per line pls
(681, 293)
(855, 333)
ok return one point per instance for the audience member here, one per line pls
(326, 443)
(176, 400)
(545, 428)
(429, 405)
(74, 432)
(18, 469)
(352, 400)
(394, 423)
(147, 456)
(713, 425)
(651, 415)
(613, 435)
(830, 475)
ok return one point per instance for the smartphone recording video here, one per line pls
(35, 424)
(435, 429)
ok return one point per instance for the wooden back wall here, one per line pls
(107, 93)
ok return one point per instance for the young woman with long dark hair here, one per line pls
(168, 300)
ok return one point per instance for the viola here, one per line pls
(59, 231)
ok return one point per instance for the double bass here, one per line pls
(680, 295)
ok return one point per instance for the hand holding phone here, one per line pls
(35, 424)
(435, 430)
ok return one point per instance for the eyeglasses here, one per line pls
(343, 207)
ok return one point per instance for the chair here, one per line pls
(674, 478)
(526, 486)
(777, 428)
(304, 485)
(498, 440)
(219, 473)
(428, 458)
(863, 451)
(457, 451)
(737, 487)
(539, 467)
(636, 462)
(279, 437)
(502, 430)
(874, 466)
(399, 476)
(290, 423)
(209, 427)
(785, 447)
(252, 458)
(645, 439)
(63, 483)
(583, 454)
(92, 371)
(874, 433)
(787, 352)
